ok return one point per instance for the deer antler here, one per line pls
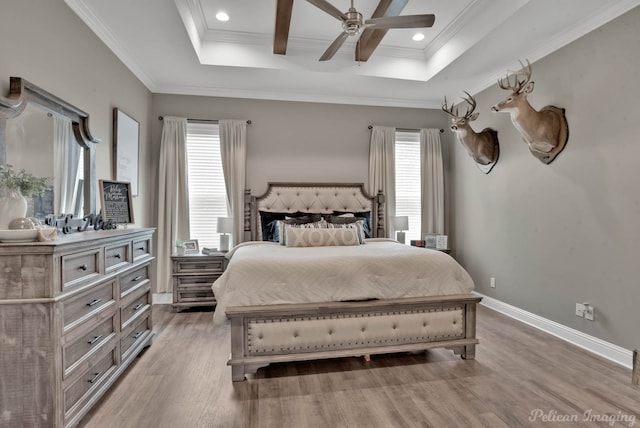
(472, 105)
(448, 110)
(517, 86)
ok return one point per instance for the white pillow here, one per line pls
(299, 237)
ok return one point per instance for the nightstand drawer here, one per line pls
(185, 282)
(117, 257)
(133, 279)
(130, 336)
(80, 308)
(196, 295)
(88, 342)
(197, 266)
(80, 268)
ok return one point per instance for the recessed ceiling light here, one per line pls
(418, 36)
(222, 16)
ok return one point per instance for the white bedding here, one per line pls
(263, 273)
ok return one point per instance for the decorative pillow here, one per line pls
(365, 216)
(304, 237)
(341, 219)
(357, 225)
(284, 228)
(268, 226)
(309, 218)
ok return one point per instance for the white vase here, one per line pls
(12, 205)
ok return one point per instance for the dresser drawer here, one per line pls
(141, 248)
(132, 280)
(80, 347)
(81, 307)
(80, 268)
(80, 391)
(200, 266)
(132, 335)
(137, 306)
(117, 257)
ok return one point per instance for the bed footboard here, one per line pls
(261, 335)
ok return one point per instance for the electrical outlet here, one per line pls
(589, 312)
(493, 282)
(580, 310)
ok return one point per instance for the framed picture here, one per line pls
(115, 197)
(126, 139)
(191, 247)
(430, 240)
(442, 242)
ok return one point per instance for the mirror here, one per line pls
(48, 137)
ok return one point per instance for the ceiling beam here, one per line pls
(370, 38)
(283, 21)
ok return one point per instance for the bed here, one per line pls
(287, 303)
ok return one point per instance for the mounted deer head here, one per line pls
(545, 131)
(482, 146)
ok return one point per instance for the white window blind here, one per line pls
(408, 182)
(207, 193)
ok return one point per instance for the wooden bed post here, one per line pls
(469, 352)
(247, 215)
(635, 375)
(381, 230)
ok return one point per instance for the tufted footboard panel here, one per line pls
(264, 334)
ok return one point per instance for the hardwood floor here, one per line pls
(520, 377)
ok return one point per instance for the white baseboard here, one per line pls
(162, 298)
(604, 349)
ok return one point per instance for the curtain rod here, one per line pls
(406, 129)
(203, 120)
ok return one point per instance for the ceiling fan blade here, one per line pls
(337, 43)
(283, 22)
(371, 36)
(409, 21)
(329, 8)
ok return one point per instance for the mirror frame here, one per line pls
(22, 92)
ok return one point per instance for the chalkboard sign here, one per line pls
(116, 201)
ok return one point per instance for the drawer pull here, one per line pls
(84, 267)
(137, 278)
(138, 306)
(94, 302)
(95, 378)
(117, 256)
(138, 334)
(140, 248)
(95, 339)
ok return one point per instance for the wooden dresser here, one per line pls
(74, 313)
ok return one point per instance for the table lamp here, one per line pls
(224, 226)
(400, 224)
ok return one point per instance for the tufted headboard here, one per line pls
(313, 198)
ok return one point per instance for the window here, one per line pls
(408, 182)
(207, 193)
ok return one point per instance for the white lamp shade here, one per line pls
(225, 225)
(401, 222)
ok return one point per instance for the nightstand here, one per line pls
(193, 275)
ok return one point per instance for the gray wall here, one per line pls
(570, 231)
(44, 42)
(295, 141)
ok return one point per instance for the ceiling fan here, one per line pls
(371, 31)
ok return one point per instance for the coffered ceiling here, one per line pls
(179, 47)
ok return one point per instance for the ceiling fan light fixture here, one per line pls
(353, 23)
(222, 16)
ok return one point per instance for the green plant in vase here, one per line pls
(16, 185)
